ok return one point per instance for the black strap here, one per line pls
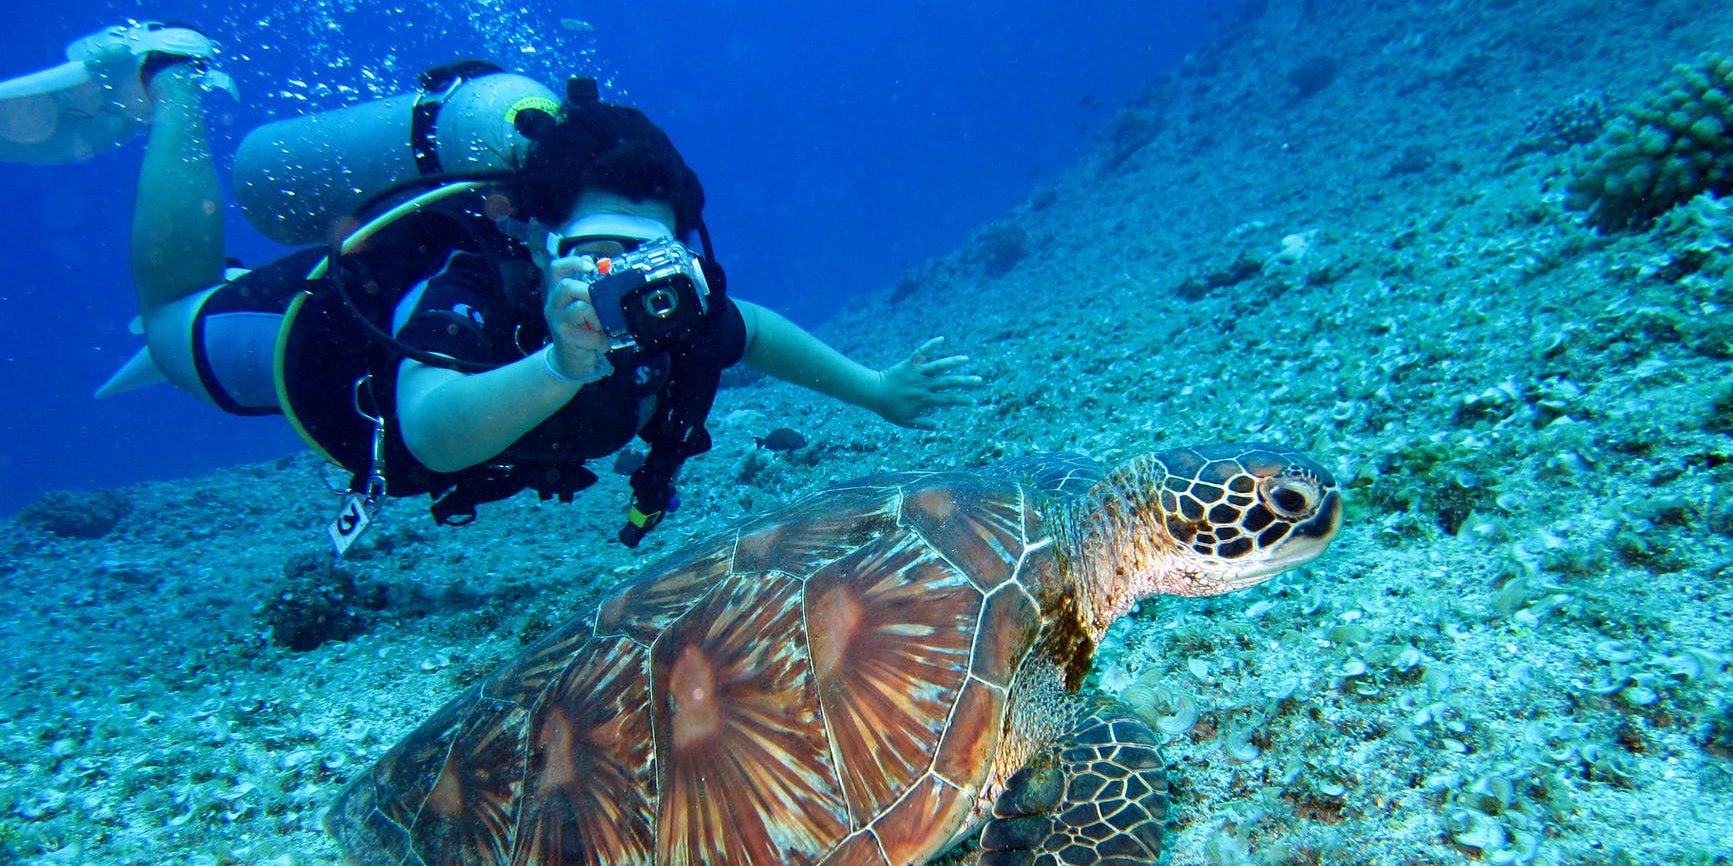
(422, 134)
(653, 482)
(492, 483)
(483, 484)
(677, 433)
(208, 374)
(437, 84)
(443, 76)
(562, 482)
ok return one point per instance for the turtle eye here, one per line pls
(1292, 498)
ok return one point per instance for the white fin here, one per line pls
(94, 102)
(137, 372)
(67, 113)
(217, 80)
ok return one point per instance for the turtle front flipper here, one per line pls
(1098, 796)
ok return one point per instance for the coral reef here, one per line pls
(1672, 146)
(998, 248)
(1718, 740)
(1578, 120)
(77, 514)
(318, 601)
(1312, 75)
(1218, 276)
(1128, 133)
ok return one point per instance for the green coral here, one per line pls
(11, 841)
(1662, 152)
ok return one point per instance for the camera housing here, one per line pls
(649, 293)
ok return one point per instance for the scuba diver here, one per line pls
(504, 289)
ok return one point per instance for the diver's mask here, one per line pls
(604, 234)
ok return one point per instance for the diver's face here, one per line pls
(606, 224)
(592, 202)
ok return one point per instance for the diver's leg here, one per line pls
(177, 225)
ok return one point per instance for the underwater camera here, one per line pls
(649, 293)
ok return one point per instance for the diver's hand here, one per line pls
(908, 389)
(579, 346)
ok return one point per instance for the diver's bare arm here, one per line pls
(783, 349)
(902, 393)
(454, 420)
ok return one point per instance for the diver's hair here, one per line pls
(612, 148)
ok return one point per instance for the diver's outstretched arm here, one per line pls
(902, 394)
(177, 224)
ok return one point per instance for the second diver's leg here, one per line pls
(177, 225)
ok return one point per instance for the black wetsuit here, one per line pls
(481, 303)
(462, 314)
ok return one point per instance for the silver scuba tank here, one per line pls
(299, 180)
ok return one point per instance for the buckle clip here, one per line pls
(358, 508)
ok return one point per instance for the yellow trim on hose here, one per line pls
(289, 316)
(350, 243)
(373, 226)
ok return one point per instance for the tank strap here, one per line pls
(437, 85)
(423, 128)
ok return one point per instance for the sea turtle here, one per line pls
(863, 676)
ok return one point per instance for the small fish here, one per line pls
(781, 439)
(576, 24)
(628, 460)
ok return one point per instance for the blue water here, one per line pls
(838, 143)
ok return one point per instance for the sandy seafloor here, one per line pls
(1517, 652)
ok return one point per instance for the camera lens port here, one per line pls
(661, 302)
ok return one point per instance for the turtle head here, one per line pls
(1204, 520)
(1235, 515)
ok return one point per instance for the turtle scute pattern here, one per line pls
(826, 685)
(1099, 799)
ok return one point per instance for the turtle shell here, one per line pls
(826, 684)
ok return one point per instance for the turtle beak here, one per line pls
(1305, 543)
(1323, 526)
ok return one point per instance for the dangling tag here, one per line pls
(352, 519)
(358, 509)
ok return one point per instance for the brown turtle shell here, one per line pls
(827, 684)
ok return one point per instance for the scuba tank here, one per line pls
(294, 179)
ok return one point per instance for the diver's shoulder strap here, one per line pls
(409, 242)
(455, 216)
